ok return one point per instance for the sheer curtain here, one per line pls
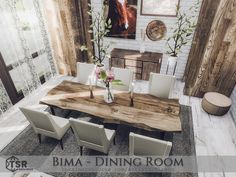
(5, 102)
(24, 45)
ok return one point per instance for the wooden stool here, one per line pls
(216, 104)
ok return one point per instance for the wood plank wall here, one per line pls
(212, 61)
(68, 23)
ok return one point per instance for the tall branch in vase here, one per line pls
(100, 27)
(185, 27)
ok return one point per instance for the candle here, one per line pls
(132, 95)
(90, 83)
(132, 90)
(91, 86)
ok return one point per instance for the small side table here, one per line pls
(216, 104)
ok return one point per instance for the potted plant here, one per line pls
(100, 27)
(182, 34)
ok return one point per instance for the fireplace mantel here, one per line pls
(141, 63)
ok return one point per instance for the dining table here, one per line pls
(143, 111)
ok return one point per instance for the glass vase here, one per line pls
(108, 95)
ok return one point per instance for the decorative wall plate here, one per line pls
(156, 30)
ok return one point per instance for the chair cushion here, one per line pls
(62, 124)
(161, 85)
(39, 119)
(38, 107)
(143, 145)
(84, 71)
(109, 133)
(88, 132)
(125, 75)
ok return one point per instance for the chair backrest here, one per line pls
(161, 85)
(40, 121)
(123, 74)
(84, 72)
(142, 145)
(88, 133)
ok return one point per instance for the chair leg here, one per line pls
(162, 135)
(81, 150)
(114, 140)
(72, 130)
(68, 113)
(61, 143)
(52, 110)
(39, 137)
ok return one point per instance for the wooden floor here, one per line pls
(213, 135)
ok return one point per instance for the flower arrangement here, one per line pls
(108, 78)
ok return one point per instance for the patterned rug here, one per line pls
(26, 143)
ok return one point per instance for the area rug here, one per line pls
(27, 143)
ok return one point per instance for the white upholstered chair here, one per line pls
(46, 124)
(85, 71)
(92, 135)
(126, 77)
(140, 145)
(161, 85)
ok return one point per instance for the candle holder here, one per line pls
(132, 95)
(131, 102)
(91, 93)
(91, 87)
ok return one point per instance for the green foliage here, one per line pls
(117, 82)
(103, 75)
(83, 48)
(99, 27)
(185, 27)
(107, 77)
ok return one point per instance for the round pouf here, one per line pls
(216, 104)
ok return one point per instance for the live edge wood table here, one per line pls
(149, 112)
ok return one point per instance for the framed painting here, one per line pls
(159, 7)
(123, 17)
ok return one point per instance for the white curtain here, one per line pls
(5, 102)
(24, 45)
